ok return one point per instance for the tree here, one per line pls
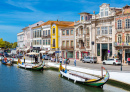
(14, 45)
(2, 43)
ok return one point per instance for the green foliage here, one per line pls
(5, 44)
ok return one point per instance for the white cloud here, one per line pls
(10, 29)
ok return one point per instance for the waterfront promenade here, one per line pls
(95, 69)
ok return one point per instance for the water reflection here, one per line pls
(13, 78)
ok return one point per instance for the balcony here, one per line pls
(82, 47)
(127, 29)
(46, 36)
(67, 47)
(119, 29)
(121, 44)
(80, 36)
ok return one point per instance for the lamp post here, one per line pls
(121, 58)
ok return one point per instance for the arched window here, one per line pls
(119, 39)
(86, 18)
(127, 38)
(82, 18)
(119, 24)
(127, 23)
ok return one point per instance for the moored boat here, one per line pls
(31, 66)
(8, 62)
(85, 78)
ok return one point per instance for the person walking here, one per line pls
(61, 60)
(75, 62)
(24, 58)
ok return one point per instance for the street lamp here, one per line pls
(121, 58)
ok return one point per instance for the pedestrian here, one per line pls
(24, 59)
(61, 60)
(75, 62)
(40, 57)
(68, 61)
(65, 61)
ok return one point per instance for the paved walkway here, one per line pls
(118, 76)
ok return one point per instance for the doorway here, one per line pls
(104, 51)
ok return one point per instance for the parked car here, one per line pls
(89, 59)
(114, 61)
(46, 57)
(19, 56)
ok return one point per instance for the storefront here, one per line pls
(70, 54)
(84, 53)
(36, 49)
(127, 54)
(77, 55)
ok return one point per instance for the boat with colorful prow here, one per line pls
(38, 66)
(7, 62)
(84, 78)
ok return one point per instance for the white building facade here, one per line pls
(20, 41)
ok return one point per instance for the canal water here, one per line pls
(13, 79)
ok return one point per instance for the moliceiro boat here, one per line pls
(38, 66)
(7, 62)
(85, 78)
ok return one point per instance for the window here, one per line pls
(40, 42)
(127, 38)
(40, 33)
(119, 38)
(106, 12)
(81, 18)
(43, 42)
(104, 30)
(43, 33)
(102, 13)
(67, 32)
(98, 49)
(87, 42)
(98, 31)
(67, 43)
(119, 24)
(35, 34)
(48, 32)
(127, 23)
(35, 42)
(110, 30)
(63, 43)
(53, 42)
(48, 42)
(87, 30)
(53, 30)
(71, 32)
(72, 44)
(63, 32)
(86, 18)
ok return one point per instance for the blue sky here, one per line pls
(17, 14)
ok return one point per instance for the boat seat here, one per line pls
(80, 76)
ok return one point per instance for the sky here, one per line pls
(17, 14)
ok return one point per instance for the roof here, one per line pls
(47, 23)
(36, 27)
(85, 13)
(25, 28)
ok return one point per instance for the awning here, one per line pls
(26, 49)
(51, 52)
(32, 53)
(43, 51)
